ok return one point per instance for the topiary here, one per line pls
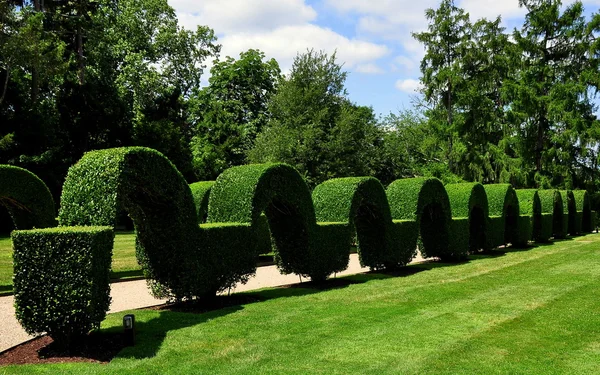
(584, 211)
(201, 193)
(569, 211)
(504, 213)
(424, 201)
(552, 203)
(26, 197)
(361, 202)
(61, 280)
(535, 228)
(469, 200)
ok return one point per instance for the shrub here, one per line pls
(425, 201)
(241, 194)
(584, 211)
(201, 193)
(594, 220)
(26, 198)
(61, 280)
(530, 206)
(496, 226)
(570, 211)
(460, 239)
(524, 231)
(153, 192)
(362, 203)
(469, 200)
(404, 236)
(503, 202)
(551, 201)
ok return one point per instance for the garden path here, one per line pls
(129, 295)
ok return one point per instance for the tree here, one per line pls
(314, 126)
(552, 94)
(229, 113)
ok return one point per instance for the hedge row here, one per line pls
(196, 240)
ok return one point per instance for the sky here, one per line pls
(371, 38)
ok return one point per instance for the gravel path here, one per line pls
(134, 294)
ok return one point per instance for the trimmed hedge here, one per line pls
(61, 280)
(569, 211)
(503, 202)
(469, 200)
(552, 203)
(496, 225)
(148, 186)
(425, 201)
(530, 205)
(524, 231)
(460, 236)
(241, 194)
(27, 198)
(584, 211)
(201, 193)
(362, 203)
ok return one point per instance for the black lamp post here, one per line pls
(129, 330)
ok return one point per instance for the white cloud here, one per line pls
(242, 15)
(491, 9)
(285, 42)
(410, 85)
(369, 68)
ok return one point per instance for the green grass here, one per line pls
(531, 312)
(124, 263)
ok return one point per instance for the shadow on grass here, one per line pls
(118, 275)
(5, 290)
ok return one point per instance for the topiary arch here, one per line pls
(424, 201)
(504, 213)
(569, 211)
(552, 203)
(469, 200)
(362, 203)
(584, 211)
(26, 198)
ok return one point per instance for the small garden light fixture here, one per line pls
(129, 330)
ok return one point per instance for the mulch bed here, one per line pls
(96, 348)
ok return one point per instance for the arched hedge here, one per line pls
(241, 194)
(468, 200)
(552, 203)
(569, 211)
(540, 223)
(362, 203)
(584, 211)
(504, 214)
(424, 201)
(201, 194)
(26, 198)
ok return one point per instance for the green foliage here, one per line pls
(503, 202)
(26, 198)
(61, 280)
(584, 211)
(314, 127)
(469, 200)
(547, 228)
(497, 226)
(159, 201)
(425, 201)
(230, 112)
(201, 194)
(551, 201)
(460, 237)
(524, 231)
(362, 203)
(241, 194)
(531, 205)
(570, 211)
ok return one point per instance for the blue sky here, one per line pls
(372, 38)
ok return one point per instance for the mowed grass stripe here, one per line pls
(533, 311)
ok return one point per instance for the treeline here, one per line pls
(496, 107)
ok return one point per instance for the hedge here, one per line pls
(241, 194)
(201, 193)
(503, 202)
(469, 200)
(524, 231)
(362, 203)
(156, 196)
(569, 211)
(584, 211)
(424, 201)
(61, 280)
(26, 198)
(530, 206)
(552, 203)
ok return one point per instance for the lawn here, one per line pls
(124, 262)
(534, 311)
